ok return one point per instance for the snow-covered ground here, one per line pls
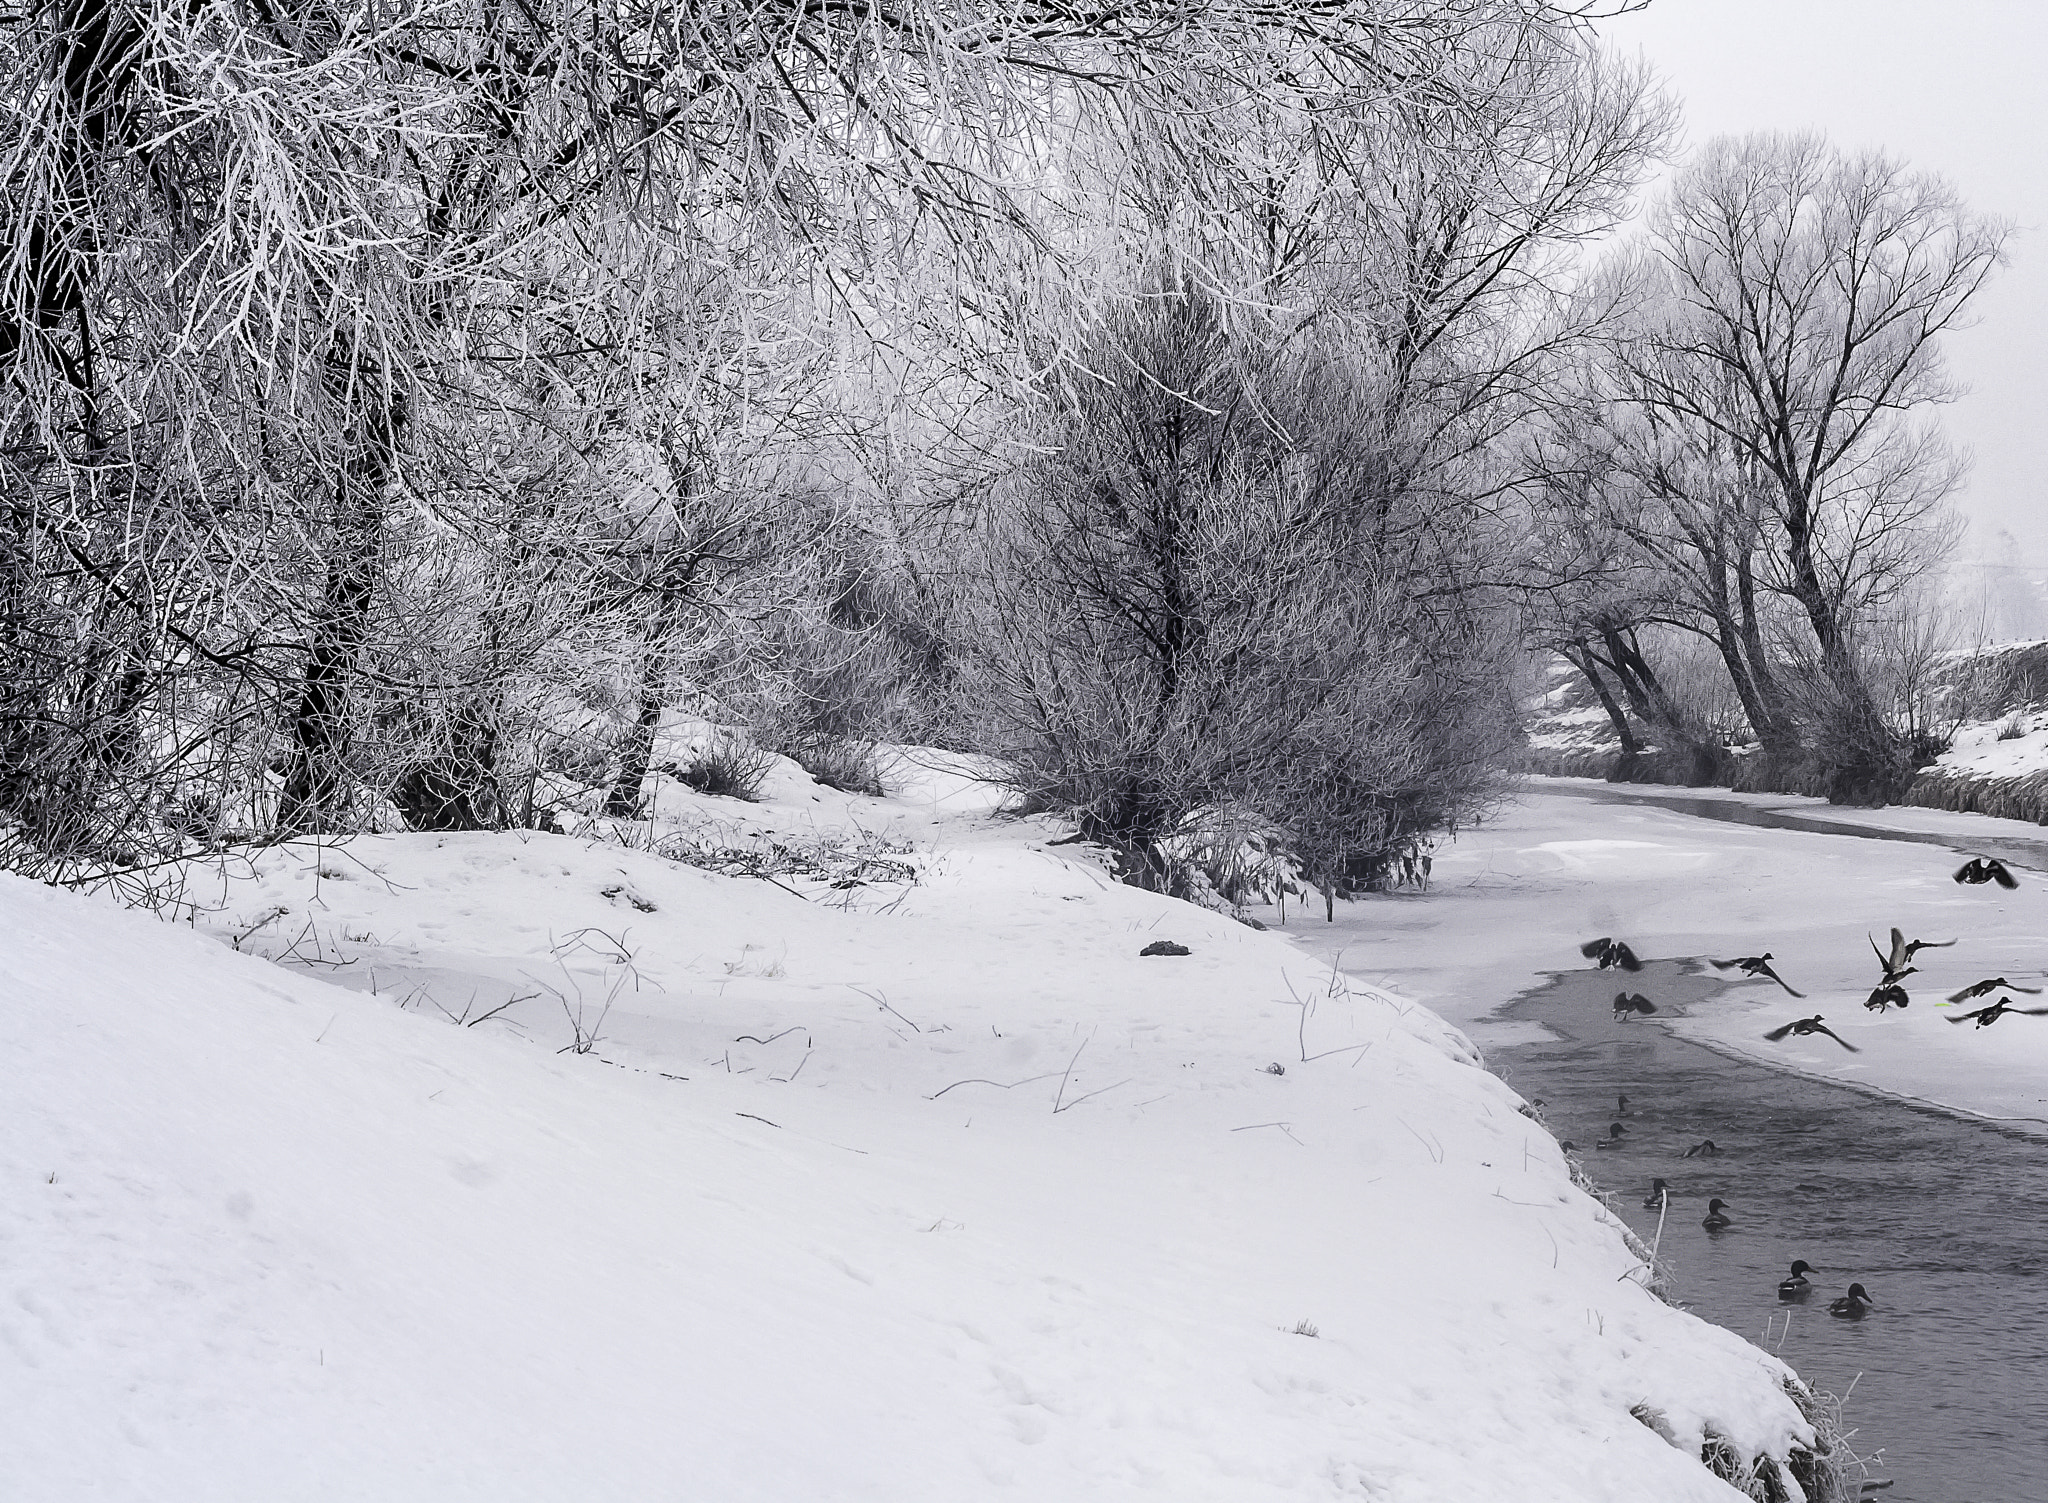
(1518, 894)
(884, 1191)
(2009, 747)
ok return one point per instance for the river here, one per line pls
(1944, 1218)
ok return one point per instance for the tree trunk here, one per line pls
(1728, 642)
(1702, 759)
(1862, 759)
(317, 786)
(1583, 660)
(1777, 729)
(623, 801)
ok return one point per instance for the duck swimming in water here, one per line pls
(1796, 1287)
(1984, 1017)
(1659, 1193)
(1981, 869)
(1715, 1221)
(1755, 965)
(1705, 1148)
(1984, 988)
(1808, 1026)
(1626, 1006)
(1614, 1136)
(1852, 1305)
(1891, 994)
(1610, 952)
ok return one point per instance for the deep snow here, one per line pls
(875, 1192)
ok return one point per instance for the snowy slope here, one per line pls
(2012, 746)
(1014, 1212)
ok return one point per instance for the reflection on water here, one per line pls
(1943, 1219)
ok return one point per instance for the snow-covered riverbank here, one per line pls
(862, 1192)
(1516, 896)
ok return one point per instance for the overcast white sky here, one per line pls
(1956, 86)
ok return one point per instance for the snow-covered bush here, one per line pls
(849, 766)
(729, 766)
(1241, 857)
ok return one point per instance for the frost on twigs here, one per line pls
(849, 766)
(840, 861)
(727, 766)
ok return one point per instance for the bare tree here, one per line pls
(1780, 368)
(1631, 529)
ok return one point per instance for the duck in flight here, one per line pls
(1625, 1005)
(1715, 1221)
(1984, 1017)
(1853, 1305)
(1807, 1026)
(1984, 988)
(1981, 869)
(1891, 994)
(1659, 1193)
(1610, 952)
(1899, 962)
(1614, 1136)
(1755, 965)
(1796, 1287)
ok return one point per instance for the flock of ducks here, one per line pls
(1795, 1287)
(1896, 963)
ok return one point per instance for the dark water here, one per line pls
(1943, 1219)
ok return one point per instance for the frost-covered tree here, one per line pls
(1773, 393)
(1180, 612)
(1257, 570)
(255, 257)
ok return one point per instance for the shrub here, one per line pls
(728, 767)
(1857, 756)
(849, 766)
(1212, 590)
(2012, 727)
(1240, 857)
(1925, 746)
